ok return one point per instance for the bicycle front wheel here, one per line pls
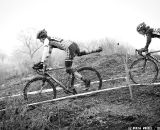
(89, 74)
(39, 89)
(143, 71)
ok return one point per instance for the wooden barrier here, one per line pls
(128, 84)
(127, 76)
(73, 96)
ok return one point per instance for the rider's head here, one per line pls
(142, 28)
(42, 34)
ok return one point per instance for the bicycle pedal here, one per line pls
(74, 91)
(67, 91)
(86, 89)
(87, 85)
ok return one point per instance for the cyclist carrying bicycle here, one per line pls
(70, 47)
(149, 32)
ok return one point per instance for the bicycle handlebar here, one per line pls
(140, 52)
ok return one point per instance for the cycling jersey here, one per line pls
(151, 33)
(69, 47)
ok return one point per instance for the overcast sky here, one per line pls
(78, 20)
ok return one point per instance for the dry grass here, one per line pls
(110, 110)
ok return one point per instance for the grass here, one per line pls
(105, 111)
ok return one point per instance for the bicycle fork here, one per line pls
(144, 66)
(43, 83)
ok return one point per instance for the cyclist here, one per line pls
(149, 32)
(71, 48)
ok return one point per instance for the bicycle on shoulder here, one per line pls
(144, 70)
(46, 86)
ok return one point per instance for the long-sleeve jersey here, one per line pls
(151, 33)
(71, 50)
(50, 43)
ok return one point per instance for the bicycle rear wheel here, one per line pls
(90, 74)
(143, 71)
(39, 89)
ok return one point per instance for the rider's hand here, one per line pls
(143, 50)
(38, 65)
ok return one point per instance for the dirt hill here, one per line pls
(110, 110)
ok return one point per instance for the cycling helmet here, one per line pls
(141, 27)
(42, 34)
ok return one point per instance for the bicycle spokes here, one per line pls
(143, 71)
(39, 89)
(91, 82)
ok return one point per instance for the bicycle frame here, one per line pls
(46, 74)
(141, 67)
(149, 56)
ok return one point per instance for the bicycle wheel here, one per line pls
(39, 89)
(143, 71)
(90, 74)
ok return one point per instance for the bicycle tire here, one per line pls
(139, 77)
(90, 74)
(33, 95)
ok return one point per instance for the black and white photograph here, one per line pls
(79, 65)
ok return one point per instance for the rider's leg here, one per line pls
(70, 71)
(68, 64)
(86, 81)
(72, 51)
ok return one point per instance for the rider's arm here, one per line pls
(45, 53)
(149, 38)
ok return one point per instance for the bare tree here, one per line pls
(29, 43)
